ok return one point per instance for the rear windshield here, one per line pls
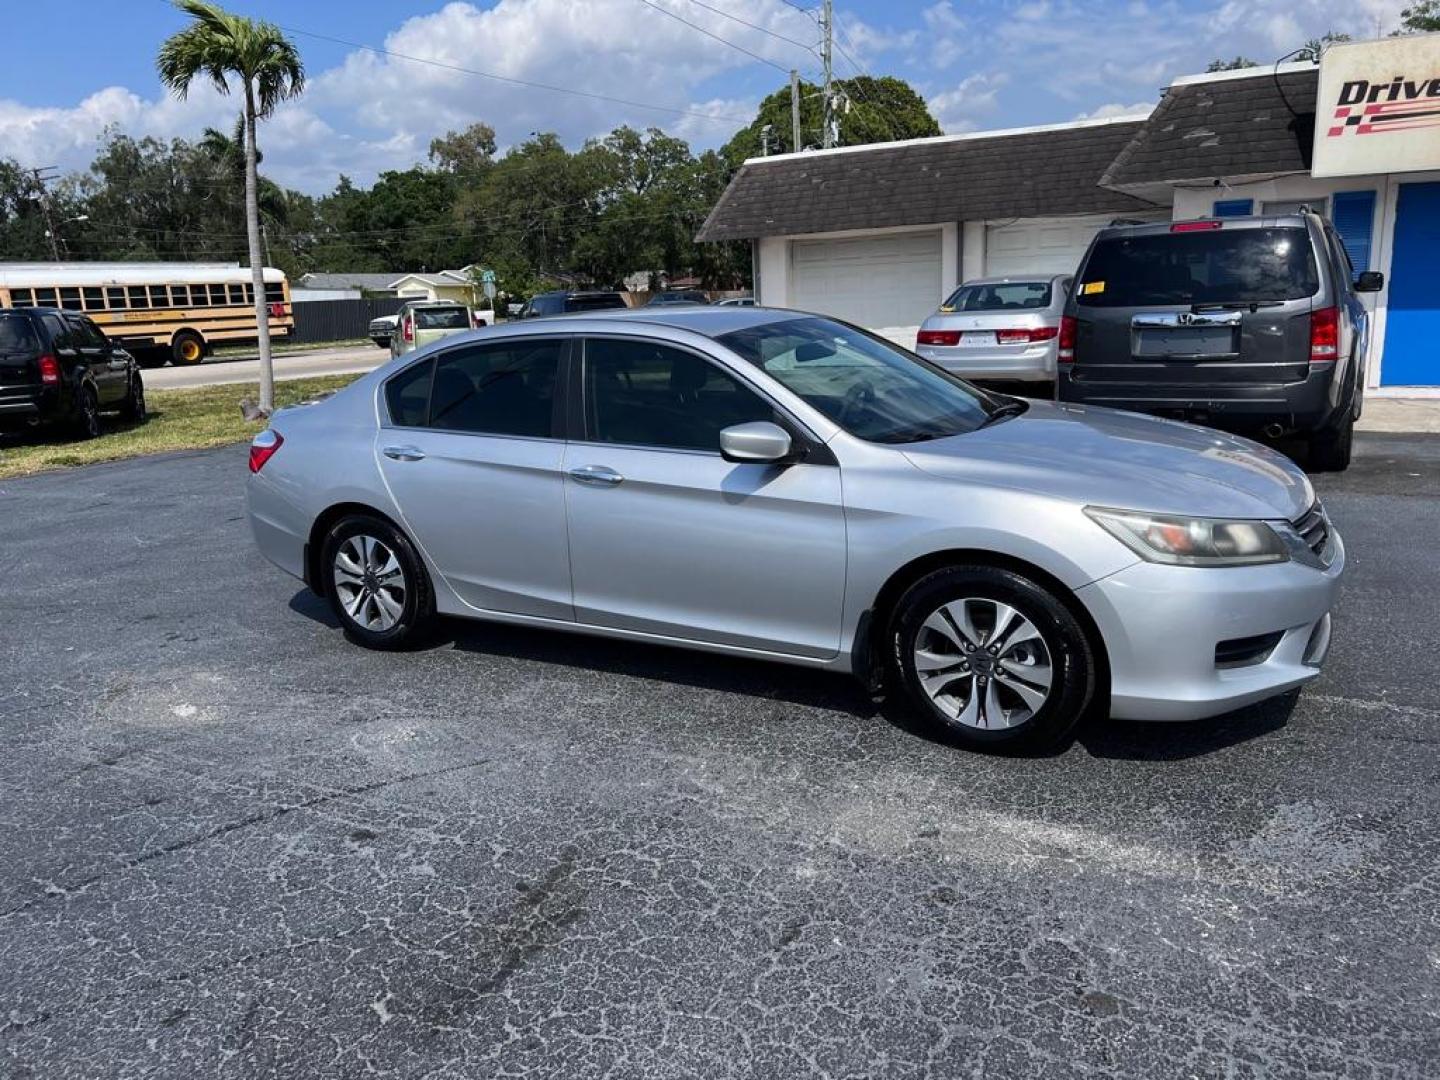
(1221, 266)
(1009, 296)
(596, 303)
(15, 334)
(442, 319)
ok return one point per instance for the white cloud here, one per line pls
(1105, 112)
(961, 108)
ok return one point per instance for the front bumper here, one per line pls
(1027, 363)
(1161, 625)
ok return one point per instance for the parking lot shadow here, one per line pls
(1137, 741)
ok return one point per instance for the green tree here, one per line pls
(881, 110)
(1315, 47)
(1237, 64)
(465, 154)
(218, 45)
(1422, 18)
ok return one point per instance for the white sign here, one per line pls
(1378, 109)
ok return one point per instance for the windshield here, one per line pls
(871, 388)
(1219, 266)
(1000, 296)
(456, 318)
(597, 302)
(15, 333)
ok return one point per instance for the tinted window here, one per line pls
(84, 334)
(441, 319)
(1010, 296)
(57, 332)
(507, 388)
(869, 387)
(15, 334)
(596, 302)
(547, 305)
(1211, 267)
(644, 394)
(408, 395)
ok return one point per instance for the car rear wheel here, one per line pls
(85, 422)
(377, 584)
(1330, 448)
(187, 347)
(991, 660)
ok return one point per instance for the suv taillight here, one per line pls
(1066, 354)
(407, 329)
(1324, 335)
(263, 448)
(49, 370)
(938, 337)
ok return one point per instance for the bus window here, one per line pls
(44, 297)
(217, 294)
(136, 295)
(274, 292)
(21, 298)
(237, 294)
(94, 299)
(180, 295)
(115, 297)
(70, 299)
(158, 297)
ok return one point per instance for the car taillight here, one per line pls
(263, 448)
(277, 311)
(49, 370)
(1066, 354)
(1194, 226)
(1324, 335)
(938, 337)
(1027, 336)
(407, 330)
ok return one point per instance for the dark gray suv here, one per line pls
(1247, 323)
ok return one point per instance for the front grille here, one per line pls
(1314, 529)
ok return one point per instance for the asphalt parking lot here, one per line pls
(231, 844)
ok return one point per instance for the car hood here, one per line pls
(1106, 457)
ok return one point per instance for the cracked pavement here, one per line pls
(232, 844)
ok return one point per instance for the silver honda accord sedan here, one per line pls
(773, 484)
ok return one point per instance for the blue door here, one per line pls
(1412, 322)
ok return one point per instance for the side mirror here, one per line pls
(758, 442)
(1370, 281)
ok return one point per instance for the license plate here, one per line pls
(978, 339)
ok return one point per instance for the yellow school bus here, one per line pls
(158, 311)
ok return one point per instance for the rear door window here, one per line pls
(504, 388)
(441, 319)
(1006, 296)
(1219, 266)
(408, 395)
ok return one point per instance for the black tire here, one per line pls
(1073, 667)
(133, 407)
(416, 605)
(1330, 448)
(85, 416)
(187, 348)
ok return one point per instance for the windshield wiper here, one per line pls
(1004, 411)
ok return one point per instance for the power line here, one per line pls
(810, 48)
(715, 37)
(518, 82)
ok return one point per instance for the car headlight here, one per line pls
(1187, 541)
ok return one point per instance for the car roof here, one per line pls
(1220, 224)
(1016, 279)
(708, 320)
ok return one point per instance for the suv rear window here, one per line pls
(455, 318)
(15, 334)
(1010, 296)
(1220, 266)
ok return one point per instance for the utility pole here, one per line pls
(795, 144)
(43, 198)
(829, 128)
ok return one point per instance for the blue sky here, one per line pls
(979, 64)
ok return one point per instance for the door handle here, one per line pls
(404, 453)
(596, 476)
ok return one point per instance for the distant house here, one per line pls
(444, 285)
(341, 286)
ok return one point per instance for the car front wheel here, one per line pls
(991, 660)
(377, 584)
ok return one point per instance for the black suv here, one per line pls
(1249, 323)
(59, 367)
(562, 302)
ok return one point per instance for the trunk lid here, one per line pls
(1213, 305)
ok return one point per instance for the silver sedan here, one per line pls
(770, 484)
(998, 328)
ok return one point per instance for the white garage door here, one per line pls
(887, 282)
(1042, 245)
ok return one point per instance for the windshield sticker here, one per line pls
(1092, 287)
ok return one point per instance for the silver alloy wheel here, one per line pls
(983, 663)
(370, 582)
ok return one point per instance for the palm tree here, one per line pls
(219, 46)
